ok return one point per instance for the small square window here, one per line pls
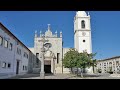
(17, 42)
(1, 41)
(18, 51)
(9, 65)
(0, 63)
(83, 40)
(11, 46)
(37, 60)
(27, 55)
(6, 44)
(23, 67)
(24, 54)
(3, 65)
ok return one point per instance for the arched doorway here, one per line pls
(47, 66)
(49, 62)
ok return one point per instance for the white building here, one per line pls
(82, 32)
(51, 65)
(108, 65)
(82, 42)
(16, 58)
(14, 55)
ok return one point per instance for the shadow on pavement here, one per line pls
(90, 75)
(25, 76)
(49, 74)
(29, 76)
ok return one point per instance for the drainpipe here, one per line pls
(62, 57)
(14, 57)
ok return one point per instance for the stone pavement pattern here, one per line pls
(37, 76)
(65, 76)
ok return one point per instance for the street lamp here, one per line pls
(45, 47)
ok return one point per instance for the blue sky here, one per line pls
(105, 28)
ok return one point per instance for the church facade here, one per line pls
(53, 57)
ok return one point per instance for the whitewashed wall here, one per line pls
(8, 56)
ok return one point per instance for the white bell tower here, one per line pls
(82, 32)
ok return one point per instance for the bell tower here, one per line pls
(82, 32)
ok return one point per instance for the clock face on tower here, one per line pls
(83, 33)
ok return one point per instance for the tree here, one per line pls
(82, 62)
(94, 64)
(70, 57)
(92, 61)
(85, 60)
(78, 60)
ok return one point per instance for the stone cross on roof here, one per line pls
(48, 27)
(48, 33)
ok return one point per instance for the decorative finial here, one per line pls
(40, 33)
(36, 33)
(48, 27)
(56, 31)
(88, 13)
(60, 33)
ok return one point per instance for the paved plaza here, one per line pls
(47, 76)
(67, 76)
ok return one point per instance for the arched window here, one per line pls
(83, 24)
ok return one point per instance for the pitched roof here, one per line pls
(10, 33)
(109, 58)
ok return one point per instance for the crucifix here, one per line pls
(42, 59)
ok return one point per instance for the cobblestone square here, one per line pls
(66, 76)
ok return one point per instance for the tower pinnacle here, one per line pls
(36, 33)
(48, 27)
